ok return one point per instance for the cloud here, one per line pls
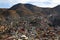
(46, 3)
(56, 1)
(40, 3)
(18, 1)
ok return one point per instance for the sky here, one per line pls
(40, 3)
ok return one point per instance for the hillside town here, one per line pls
(35, 29)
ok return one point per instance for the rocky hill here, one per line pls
(27, 16)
